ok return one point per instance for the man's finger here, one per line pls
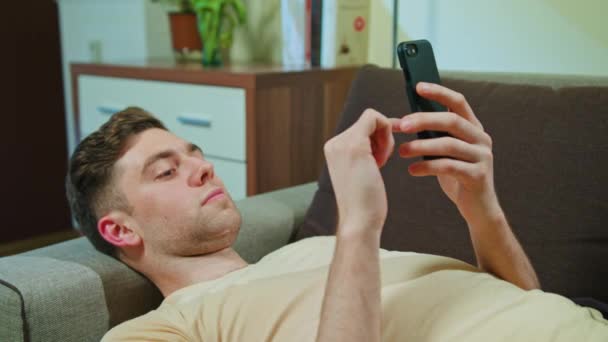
(370, 121)
(377, 129)
(395, 124)
(384, 142)
(463, 171)
(445, 146)
(455, 101)
(449, 122)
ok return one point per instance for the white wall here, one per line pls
(121, 30)
(542, 36)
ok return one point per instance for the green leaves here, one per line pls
(217, 20)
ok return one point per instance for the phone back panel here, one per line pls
(420, 67)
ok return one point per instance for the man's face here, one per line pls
(171, 188)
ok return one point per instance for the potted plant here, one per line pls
(183, 27)
(215, 20)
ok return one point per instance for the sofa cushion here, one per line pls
(550, 151)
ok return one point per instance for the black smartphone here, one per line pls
(418, 63)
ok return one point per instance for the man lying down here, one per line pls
(152, 200)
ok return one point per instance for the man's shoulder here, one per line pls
(164, 323)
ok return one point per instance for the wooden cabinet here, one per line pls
(262, 127)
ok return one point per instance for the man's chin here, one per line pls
(221, 240)
(225, 223)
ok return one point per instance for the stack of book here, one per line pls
(325, 33)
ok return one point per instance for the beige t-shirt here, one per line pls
(424, 298)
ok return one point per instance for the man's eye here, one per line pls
(165, 174)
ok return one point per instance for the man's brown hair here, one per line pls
(89, 183)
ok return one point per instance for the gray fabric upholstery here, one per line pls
(63, 301)
(11, 313)
(127, 292)
(270, 219)
(71, 292)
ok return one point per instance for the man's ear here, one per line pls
(117, 229)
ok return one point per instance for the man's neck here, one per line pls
(179, 272)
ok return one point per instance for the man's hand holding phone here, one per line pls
(465, 169)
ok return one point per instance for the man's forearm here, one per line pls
(498, 252)
(351, 305)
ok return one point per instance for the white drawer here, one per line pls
(210, 116)
(233, 174)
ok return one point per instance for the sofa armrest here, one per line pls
(270, 219)
(69, 292)
(50, 300)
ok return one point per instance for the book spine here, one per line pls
(315, 32)
(328, 34)
(308, 23)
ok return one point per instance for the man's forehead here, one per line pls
(147, 143)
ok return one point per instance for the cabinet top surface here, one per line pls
(240, 75)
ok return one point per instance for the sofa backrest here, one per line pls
(551, 161)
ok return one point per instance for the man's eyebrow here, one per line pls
(194, 147)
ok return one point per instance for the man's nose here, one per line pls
(203, 171)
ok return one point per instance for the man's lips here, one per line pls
(212, 195)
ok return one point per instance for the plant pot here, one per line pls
(184, 32)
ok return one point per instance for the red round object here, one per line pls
(359, 24)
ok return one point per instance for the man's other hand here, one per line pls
(466, 172)
(353, 159)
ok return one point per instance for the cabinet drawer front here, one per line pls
(233, 174)
(212, 116)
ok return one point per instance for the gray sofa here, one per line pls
(71, 292)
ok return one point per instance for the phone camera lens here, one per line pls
(411, 50)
